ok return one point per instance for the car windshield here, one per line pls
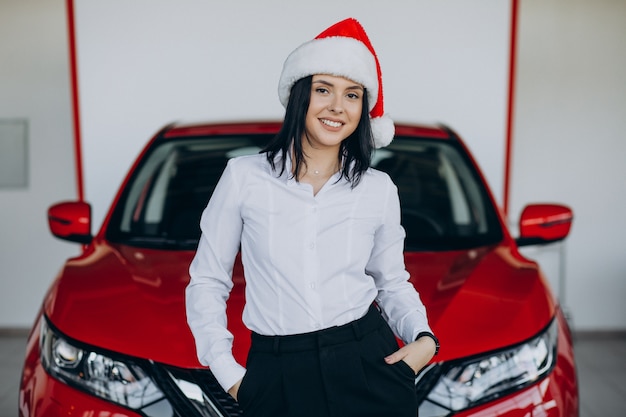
(444, 203)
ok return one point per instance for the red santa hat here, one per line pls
(342, 50)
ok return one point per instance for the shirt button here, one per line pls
(314, 209)
(312, 245)
(312, 285)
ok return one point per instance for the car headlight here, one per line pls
(485, 378)
(114, 380)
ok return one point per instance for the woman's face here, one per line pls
(334, 110)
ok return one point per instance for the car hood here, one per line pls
(131, 301)
(483, 299)
(127, 300)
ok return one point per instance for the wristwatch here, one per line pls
(432, 336)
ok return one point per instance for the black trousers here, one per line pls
(337, 372)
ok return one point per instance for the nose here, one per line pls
(335, 105)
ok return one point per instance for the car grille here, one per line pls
(196, 392)
(191, 393)
(426, 380)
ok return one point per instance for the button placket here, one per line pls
(314, 210)
(312, 286)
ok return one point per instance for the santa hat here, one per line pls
(342, 50)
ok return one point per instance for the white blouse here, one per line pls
(310, 261)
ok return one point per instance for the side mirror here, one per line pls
(71, 221)
(544, 223)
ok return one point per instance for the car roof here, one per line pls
(272, 127)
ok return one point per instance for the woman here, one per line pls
(322, 248)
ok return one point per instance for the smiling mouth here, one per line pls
(330, 123)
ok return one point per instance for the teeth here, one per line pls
(331, 123)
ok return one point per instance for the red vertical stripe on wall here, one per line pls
(75, 105)
(510, 106)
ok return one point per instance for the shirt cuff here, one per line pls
(227, 371)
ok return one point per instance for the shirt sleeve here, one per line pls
(397, 297)
(211, 280)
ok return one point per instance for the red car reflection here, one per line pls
(111, 337)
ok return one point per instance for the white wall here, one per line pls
(570, 144)
(34, 86)
(443, 61)
(161, 61)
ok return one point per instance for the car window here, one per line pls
(444, 205)
(163, 201)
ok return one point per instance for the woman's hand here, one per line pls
(234, 390)
(416, 354)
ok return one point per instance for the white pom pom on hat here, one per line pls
(342, 50)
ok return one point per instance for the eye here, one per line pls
(353, 96)
(321, 90)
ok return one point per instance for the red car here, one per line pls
(111, 338)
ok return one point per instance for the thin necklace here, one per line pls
(317, 171)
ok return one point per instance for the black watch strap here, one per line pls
(432, 336)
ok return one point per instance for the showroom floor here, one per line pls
(601, 371)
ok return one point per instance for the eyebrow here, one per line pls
(328, 83)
